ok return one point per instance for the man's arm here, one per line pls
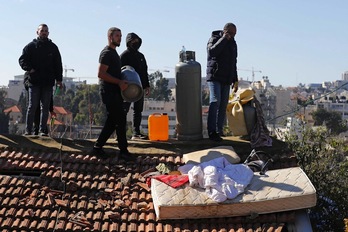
(105, 76)
(24, 60)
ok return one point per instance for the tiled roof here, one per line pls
(68, 191)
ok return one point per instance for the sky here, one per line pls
(290, 42)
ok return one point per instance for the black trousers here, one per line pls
(137, 113)
(116, 120)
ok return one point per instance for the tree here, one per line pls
(4, 118)
(159, 87)
(332, 120)
(23, 106)
(87, 106)
(323, 158)
(205, 97)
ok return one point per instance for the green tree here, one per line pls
(4, 118)
(332, 120)
(205, 97)
(23, 105)
(324, 159)
(87, 106)
(159, 87)
(64, 98)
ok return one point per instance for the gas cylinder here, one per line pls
(188, 97)
(134, 91)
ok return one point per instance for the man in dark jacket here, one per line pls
(221, 74)
(131, 56)
(43, 64)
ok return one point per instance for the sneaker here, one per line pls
(43, 134)
(27, 134)
(215, 137)
(139, 136)
(127, 156)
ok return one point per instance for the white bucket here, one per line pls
(134, 91)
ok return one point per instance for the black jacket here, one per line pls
(131, 56)
(222, 59)
(43, 56)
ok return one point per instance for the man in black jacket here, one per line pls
(221, 74)
(43, 64)
(131, 56)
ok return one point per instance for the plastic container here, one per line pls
(134, 91)
(158, 127)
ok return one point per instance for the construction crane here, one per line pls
(66, 70)
(160, 70)
(252, 72)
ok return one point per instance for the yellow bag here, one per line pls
(235, 117)
(235, 113)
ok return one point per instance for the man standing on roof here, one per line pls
(43, 65)
(111, 85)
(221, 74)
(131, 56)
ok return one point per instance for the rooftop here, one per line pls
(52, 184)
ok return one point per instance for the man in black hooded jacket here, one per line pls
(43, 65)
(131, 56)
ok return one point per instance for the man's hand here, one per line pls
(123, 84)
(147, 91)
(59, 84)
(53, 114)
(227, 35)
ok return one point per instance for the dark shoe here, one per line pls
(127, 156)
(100, 153)
(221, 134)
(215, 137)
(139, 136)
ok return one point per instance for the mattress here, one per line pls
(276, 191)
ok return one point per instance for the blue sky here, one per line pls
(291, 42)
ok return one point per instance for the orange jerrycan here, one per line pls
(158, 127)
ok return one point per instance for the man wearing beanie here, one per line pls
(131, 56)
(221, 74)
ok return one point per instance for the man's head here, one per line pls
(133, 41)
(42, 31)
(231, 29)
(114, 36)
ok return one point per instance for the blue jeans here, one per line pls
(39, 96)
(137, 113)
(218, 100)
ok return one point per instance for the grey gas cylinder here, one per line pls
(188, 97)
